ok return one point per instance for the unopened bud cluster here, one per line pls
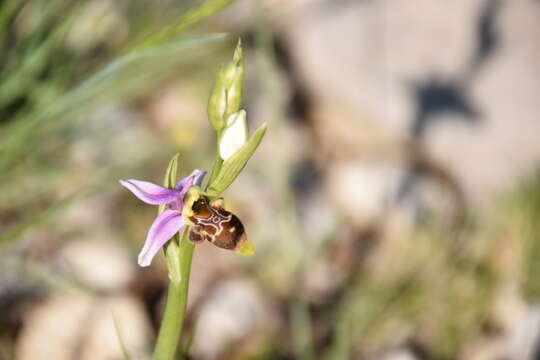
(224, 113)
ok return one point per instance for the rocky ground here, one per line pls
(393, 202)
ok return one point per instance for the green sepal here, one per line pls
(172, 248)
(170, 177)
(234, 165)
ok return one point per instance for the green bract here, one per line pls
(170, 177)
(234, 165)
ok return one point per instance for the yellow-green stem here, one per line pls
(175, 306)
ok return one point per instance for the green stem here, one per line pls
(218, 161)
(175, 306)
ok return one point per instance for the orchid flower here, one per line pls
(202, 210)
(170, 221)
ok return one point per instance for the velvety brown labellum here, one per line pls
(217, 225)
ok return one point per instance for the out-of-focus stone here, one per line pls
(526, 337)
(54, 328)
(363, 191)
(489, 349)
(178, 112)
(321, 281)
(397, 354)
(82, 327)
(503, 146)
(359, 60)
(118, 316)
(98, 264)
(89, 212)
(362, 64)
(316, 216)
(94, 149)
(234, 311)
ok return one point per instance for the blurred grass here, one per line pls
(114, 80)
(41, 91)
(521, 218)
(436, 290)
(435, 297)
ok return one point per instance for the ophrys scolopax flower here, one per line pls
(170, 221)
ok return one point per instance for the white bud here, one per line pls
(234, 135)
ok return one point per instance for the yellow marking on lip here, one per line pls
(246, 249)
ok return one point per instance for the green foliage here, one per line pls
(204, 10)
(522, 219)
(47, 83)
(232, 167)
(121, 78)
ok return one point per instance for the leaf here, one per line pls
(119, 337)
(234, 165)
(112, 71)
(207, 8)
(123, 76)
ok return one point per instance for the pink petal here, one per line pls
(195, 178)
(163, 228)
(150, 193)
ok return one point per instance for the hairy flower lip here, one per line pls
(170, 221)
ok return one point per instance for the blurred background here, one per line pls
(394, 202)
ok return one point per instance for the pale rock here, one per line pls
(234, 310)
(503, 147)
(322, 280)
(397, 354)
(488, 349)
(363, 191)
(178, 112)
(83, 327)
(113, 317)
(526, 337)
(87, 213)
(109, 135)
(359, 62)
(99, 264)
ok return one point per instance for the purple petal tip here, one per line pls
(164, 227)
(150, 193)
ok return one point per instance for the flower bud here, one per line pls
(234, 77)
(226, 95)
(217, 104)
(234, 135)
